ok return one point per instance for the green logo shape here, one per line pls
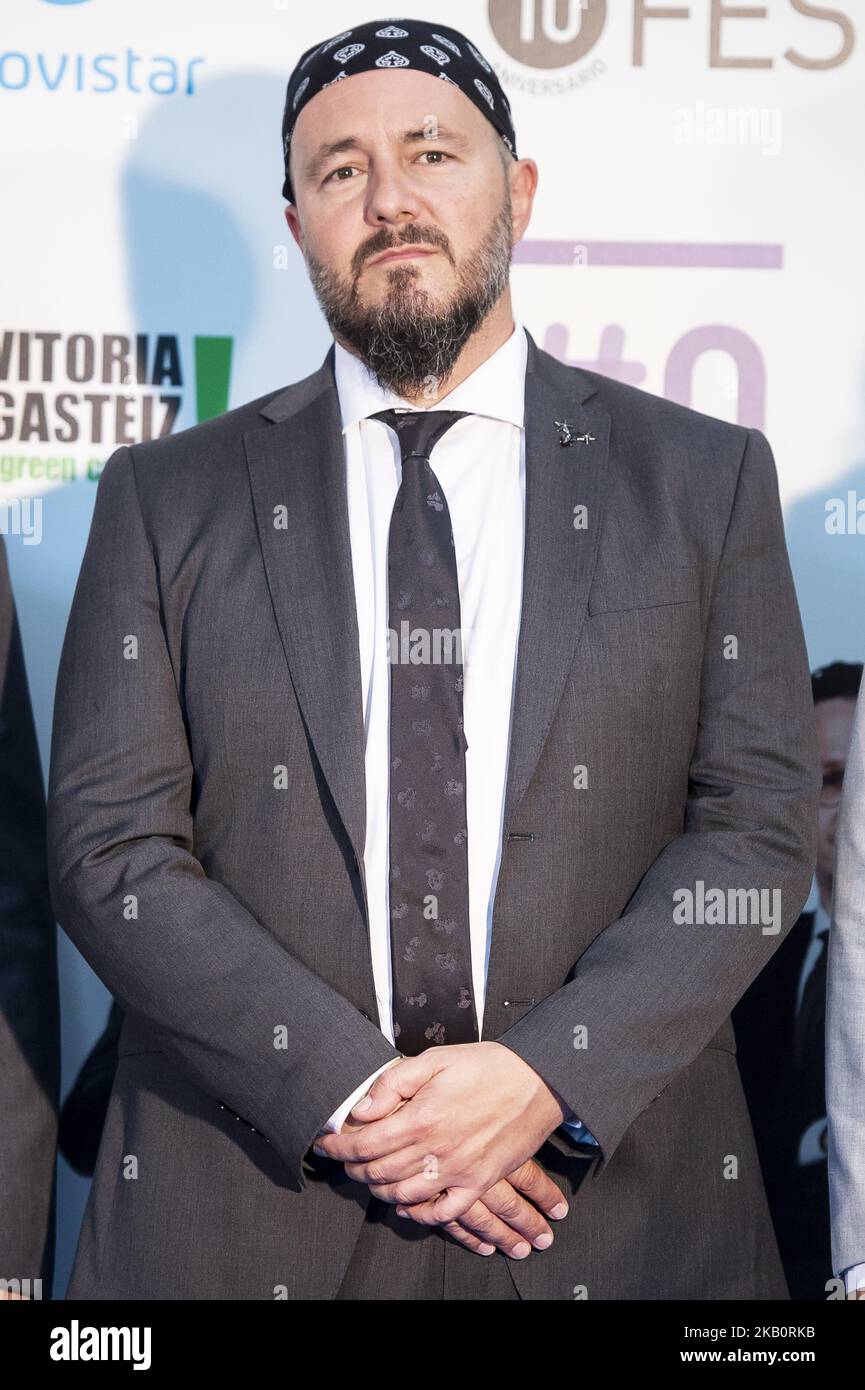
(212, 376)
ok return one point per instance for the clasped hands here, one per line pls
(448, 1137)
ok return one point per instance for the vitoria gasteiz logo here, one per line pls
(106, 389)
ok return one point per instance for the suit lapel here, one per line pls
(297, 471)
(558, 559)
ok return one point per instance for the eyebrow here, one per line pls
(325, 153)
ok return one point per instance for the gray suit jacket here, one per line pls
(845, 1016)
(29, 1003)
(213, 640)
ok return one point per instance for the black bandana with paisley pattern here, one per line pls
(396, 43)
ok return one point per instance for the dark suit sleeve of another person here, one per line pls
(194, 964)
(29, 1007)
(652, 993)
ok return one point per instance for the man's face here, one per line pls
(834, 733)
(417, 170)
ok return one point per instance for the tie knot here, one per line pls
(419, 431)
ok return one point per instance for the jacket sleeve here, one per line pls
(173, 946)
(29, 1004)
(651, 990)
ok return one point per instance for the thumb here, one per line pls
(397, 1083)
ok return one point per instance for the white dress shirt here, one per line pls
(480, 463)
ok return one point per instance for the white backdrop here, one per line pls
(697, 231)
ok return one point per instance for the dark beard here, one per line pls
(409, 342)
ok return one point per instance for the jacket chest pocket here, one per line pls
(656, 588)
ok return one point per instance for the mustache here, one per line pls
(411, 236)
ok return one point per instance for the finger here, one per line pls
(453, 1204)
(422, 1212)
(396, 1167)
(538, 1186)
(450, 1205)
(392, 1087)
(376, 1138)
(514, 1240)
(413, 1191)
(484, 1221)
(470, 1241)
(516, 1214)
(355, 1123)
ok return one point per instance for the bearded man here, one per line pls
(396, 712)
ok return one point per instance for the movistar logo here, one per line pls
(125, 70)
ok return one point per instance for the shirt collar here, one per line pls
(495, 389)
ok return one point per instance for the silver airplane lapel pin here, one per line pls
(567, 438)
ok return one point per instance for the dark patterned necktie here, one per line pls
(433, 996)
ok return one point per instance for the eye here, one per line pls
(341, 170)
(332, 177)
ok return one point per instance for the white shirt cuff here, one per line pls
(854, 1278)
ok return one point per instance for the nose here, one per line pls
(390, 198)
